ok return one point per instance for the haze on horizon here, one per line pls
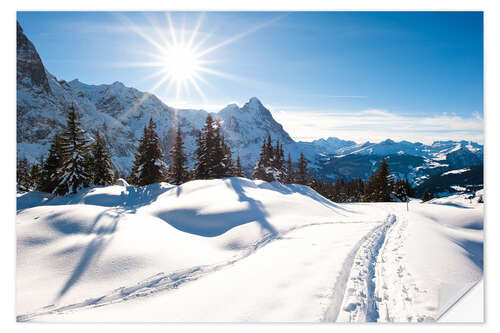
(363, 76)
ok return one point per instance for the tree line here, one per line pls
(379, 187)
(74, 162)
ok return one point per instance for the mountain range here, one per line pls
(119, 113)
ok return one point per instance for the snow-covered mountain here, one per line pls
(120, 113)
(416, 162)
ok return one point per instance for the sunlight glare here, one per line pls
(181, 63)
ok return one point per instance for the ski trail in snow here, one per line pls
(359, 303)
(395, 289)
(168, 281)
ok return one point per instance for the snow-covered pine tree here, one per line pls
(24, 180)
(140, 158)
(177, 172)
(259, 171)
(302, 176)
(75, 170)
(149, 166)
(35, 174)
(278, 163)
(271, 164)
(227, 159)
(49, 174)
(289, 171)
(216, 168)
(403, 189)
(200, 170)
(102, 171)
(210, 152)
(204, 150)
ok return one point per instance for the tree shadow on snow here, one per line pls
(215, 224)
(103, 228)
(288, 189)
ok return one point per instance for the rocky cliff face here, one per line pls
(30, 69)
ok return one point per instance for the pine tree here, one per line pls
(427, 196)
(35, 175)
(238, 171)
(102, 171)
(227, 160)
(177, 172)
(149, 166)
(24, 181)
(379, 186)
(259, 171)
(271, 164)
(302, 175)
(205, 151)
(403, 189)
(289, 171)
(217, 168)
(74, 172)
(386, 181)
(49, 175)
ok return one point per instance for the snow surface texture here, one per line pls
(240, 250)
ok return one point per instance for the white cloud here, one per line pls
(376, 125)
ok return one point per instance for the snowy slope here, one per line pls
(420, 266)
(239, 250)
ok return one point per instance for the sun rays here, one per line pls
(179, 56)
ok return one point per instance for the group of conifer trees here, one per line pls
(272, 166)
(73, 162)
(340, 190)
(380, 187)
(213, 157)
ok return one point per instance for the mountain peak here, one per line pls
(254, 105)
(254, 101)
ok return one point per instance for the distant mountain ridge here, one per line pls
(120, 113)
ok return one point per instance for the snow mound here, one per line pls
(84, 245)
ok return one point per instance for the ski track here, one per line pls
(398, 304)
(379, 286)
(164, 282)
(359, 303)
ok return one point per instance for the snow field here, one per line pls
(240, 250)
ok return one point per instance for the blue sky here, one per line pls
(355, 75)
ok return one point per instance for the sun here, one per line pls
(179, 56)
(181, 63)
